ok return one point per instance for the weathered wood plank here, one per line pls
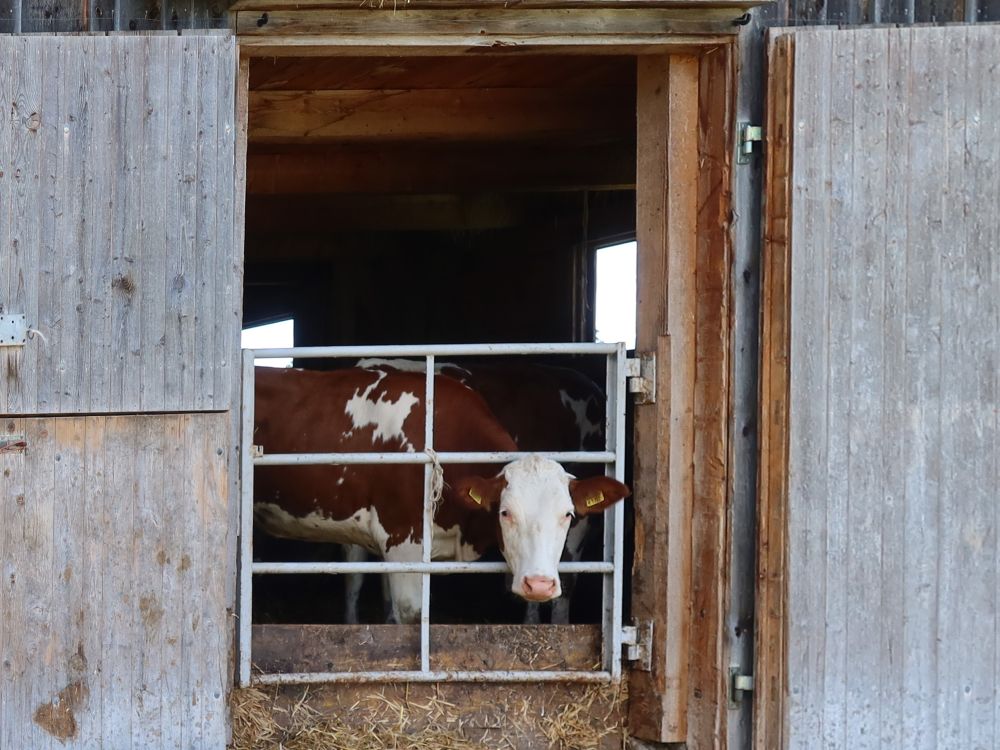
(707, 691)
(315, 648)
(489, 25)
(893, 406)
(96, 603)
(86, 201)
(902, 398)
(771, 623)
(923, 360)
(811, 339)
(666, 227)
(867, 378)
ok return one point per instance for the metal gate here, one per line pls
(613, 455)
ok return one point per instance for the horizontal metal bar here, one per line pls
(456, 457)
(306, 678)
(440, 350)
(416, 567)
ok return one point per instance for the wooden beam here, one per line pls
(708, 699)
(667, 230)
(771, 627)
(520, 71)
(440, 114)
(315, 648)
(492, 24)
(433, 168)
(511, 6)
(444, 45)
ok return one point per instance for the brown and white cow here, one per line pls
(526, 508)
(544, 408)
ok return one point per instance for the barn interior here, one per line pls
(432, 200)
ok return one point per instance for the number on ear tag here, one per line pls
(595, 500)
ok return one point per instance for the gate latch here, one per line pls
(641, 375)
(638, 640)
(749, 135)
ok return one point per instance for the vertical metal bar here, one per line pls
(246, 514)
(618, 518)
(427, 543)
(607, 582)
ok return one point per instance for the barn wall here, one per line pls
(113, 536)
(893, 566)
(117, 223)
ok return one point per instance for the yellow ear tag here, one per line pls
(476, 497)
(595, 500)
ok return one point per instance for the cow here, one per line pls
(525, 508)
(544, 408)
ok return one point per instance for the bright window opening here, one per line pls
(614, 318)
(271, 336)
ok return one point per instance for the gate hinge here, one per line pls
(256, 451)
(641, 375)
(638, 640)
(738, 685)
(749, 135)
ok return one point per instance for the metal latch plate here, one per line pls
(13, 330)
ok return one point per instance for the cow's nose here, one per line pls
(538, 588)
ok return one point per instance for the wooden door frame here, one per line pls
(685, 136)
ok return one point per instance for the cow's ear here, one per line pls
(479, 493)
(596, 494)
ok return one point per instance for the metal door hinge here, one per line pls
(638, 640)
(13, 330)
(749, 135)
(641, 375)
(738, 685)
(256, 451)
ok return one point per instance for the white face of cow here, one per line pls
(535, 513)
(536, 501)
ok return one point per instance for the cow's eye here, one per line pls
(505, 513)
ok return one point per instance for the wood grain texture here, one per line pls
(667, 229)
(892, 599)
(107, 597)
(103, 232)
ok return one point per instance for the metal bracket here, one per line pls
(256, 451)
(738, 685)
(13, 330)
(641, 374)
(749, 135)
(638, 639)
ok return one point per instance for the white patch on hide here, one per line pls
(361, 528)
(387, 417)
(585, 427)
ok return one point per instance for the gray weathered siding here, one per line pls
(114, 631)
(117, 225)
(894, 577)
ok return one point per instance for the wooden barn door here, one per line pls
(120, 251)
(879, 580)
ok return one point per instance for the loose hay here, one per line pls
(389, 718)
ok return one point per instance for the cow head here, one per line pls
(535, 500)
